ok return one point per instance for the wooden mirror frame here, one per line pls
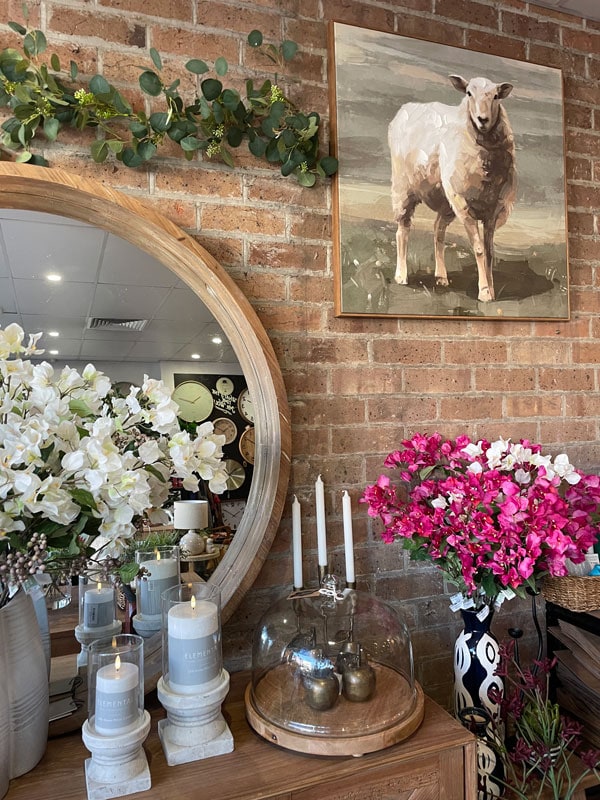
(58, 192)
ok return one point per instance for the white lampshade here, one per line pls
(190, 514)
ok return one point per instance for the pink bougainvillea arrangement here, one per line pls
(495, 517)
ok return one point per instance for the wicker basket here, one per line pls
(574, 593)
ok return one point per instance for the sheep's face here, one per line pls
(483, 100)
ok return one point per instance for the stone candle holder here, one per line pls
(117, 723)
(194, 683)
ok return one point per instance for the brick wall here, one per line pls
(357, 386)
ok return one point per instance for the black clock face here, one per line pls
(194, 400)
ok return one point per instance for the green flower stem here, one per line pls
(215, 123)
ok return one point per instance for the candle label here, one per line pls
(115, 710)
(97, 615)
(150, 592)
(194, 661)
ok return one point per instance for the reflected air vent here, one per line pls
(109, 324)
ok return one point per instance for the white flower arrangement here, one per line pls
(81, 465)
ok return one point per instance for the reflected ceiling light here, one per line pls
(54, 334)
(53, 277)
(53, 352)
(216, 340)
(196, 356)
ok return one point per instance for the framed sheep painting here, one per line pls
(450, 196)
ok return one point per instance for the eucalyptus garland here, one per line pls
(44, 98)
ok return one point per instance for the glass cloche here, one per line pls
(332, 673)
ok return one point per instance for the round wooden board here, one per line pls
(272, 688)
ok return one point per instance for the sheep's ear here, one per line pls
(503, 90)
(459, 83)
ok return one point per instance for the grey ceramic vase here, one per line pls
(23, 670)
(4, 733)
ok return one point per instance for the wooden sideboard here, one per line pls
(438, 762)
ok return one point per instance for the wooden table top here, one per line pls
(253, 771)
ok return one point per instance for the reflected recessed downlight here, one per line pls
(53, 352)
(195, 356)
(53, 277)
(54, 334)
(216, 340)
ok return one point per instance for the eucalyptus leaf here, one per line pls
(189, 143)
(230, 99)
(197, 66)
(307, 179)
(156, 59)
(234, 137)
(160, 121)
(73, 70)
(257, 147)
(130, 157)
(17, 28)
(150, 83)
(99, 85)
(211, 88)
(146, 150)
(255, 38)
(35, 43)
(55, 62)
(221, 66)
(288, 49)
(329, 165)
(227, 158)
(23, 157)
(51, 127)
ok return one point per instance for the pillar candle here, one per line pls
(162, 576)
(116, 698)
(297, 543)
(348, 537)
(321, 531)
(98, 607)
(194, 646)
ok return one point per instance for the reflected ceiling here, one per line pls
(113, 302)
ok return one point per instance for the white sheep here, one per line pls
(459, 161)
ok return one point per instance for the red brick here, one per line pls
(333, 351)
(467, 11)
(496, 45)
(528, 27)
(578, 116)
(430, 29)
(353, 12)
(411, 351)
(287, 191)
(198, 181)
(582, 300)
(471, 408)
(306, 382)
(583, 196)
(170, 9)
(260, 287)
(181, 212)
(311, 441)
(301, 8)
(497, 379)
(233, 17)
(507, 429)
(306, 33)
(540, 351)
(579, 168)
(533, 405)
(242, 219)
(571, 63)
(365, 380)
(226, 250)
(563, 431)
(125, 68)
(475, 351)
(581, 274)
(192, 44)
(582, 405)
(310, 289)
(579, 223)
(287, 256)
(586, 352)
(578, 89)
(585, 41)
(567, 379)
(401, 408)
(321, 411)
(310, 225)
(289, 318)
(577, 327)
(96, 25)
(437, 381)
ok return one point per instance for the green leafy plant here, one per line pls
(44, 98)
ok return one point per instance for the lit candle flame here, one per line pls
(99, 586)
(157, 554)
(118, 663)
(114, 641)
(193, 602)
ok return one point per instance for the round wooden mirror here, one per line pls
(59, 193)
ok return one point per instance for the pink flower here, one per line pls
(490, 515)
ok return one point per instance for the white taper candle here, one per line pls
(297, 542)
(321, 529)
(348, 537)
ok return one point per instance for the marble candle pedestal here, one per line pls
(195, 727)
(118, 765)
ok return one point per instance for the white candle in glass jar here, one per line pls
(194, 645)
(161, 575)
(116, 707)
(98, 607)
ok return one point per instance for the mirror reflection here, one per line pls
(97, 298)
